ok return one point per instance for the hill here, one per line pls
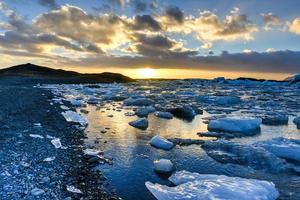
(39, 74)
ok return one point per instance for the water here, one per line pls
(133, 156)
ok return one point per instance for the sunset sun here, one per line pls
(146, 73)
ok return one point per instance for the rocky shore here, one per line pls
(32, 165)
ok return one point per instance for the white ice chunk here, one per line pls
(163, 166)
(56, 142)
(282, 147)
(77, 103)
(161, 143)
(91, 152)
(49, 159)
(193, 186)
(36, 136)
(73, 189)
(72, 116)
(235, 125)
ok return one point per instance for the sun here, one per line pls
(146, 73)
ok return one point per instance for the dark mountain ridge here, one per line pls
(42, 74)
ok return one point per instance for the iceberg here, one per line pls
(77, 103)
(144, 111)
(164, 115)
(257, 158)
(163, 166)
(227, 100)
(194, 186)
(235, 125)
(184, 112)
(275, 120)
(282, 147)
(297, 121)
(161, 143)
(138, 102)
(72, 116)
(140, 123)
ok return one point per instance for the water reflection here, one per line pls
(133, 156)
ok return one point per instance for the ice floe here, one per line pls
(185, 112)
(144, 111)
(164, 115)
(235, 125)
(255, 157)
(163, 166)
(297, 122)
(77, 103)
(275, 120)
(161, 143)
(56, 143)
(72, 116)
(138, 102)
(141, 123)
(36, 136)
(194, 186)
(282, 147)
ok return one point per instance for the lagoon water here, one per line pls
(133, 156)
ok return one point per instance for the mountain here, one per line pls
(40, 74)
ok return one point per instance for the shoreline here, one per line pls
(26, 112)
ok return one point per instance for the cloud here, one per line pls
(294, 26)
(157, 45)
(208, 27)
(275, 62)
(49, 3)
(145, 22)
(270, 20)
(105, 31)
(174, 13)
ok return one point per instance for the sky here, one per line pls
(154, 39)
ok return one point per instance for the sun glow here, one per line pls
(146, 73)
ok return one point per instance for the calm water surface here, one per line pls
(133, 156)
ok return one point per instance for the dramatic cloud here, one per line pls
(208, 27)
(294, 27)
(270, 20)
(75, 24)
(49, 3)
(158, 46)
(275, 62)
(145, 22)
(174, 13)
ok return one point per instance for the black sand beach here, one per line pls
(25, 110)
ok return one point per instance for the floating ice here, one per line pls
(37, 191)
(49, 159)
(275, 120)
(144, 111)
(161, 143)
(227, 100)
(163, 166)
(164, 115)
(184, 112)
(77, 103)
(72, 116)
(140, 123)
(194, 186)
(297, 121)
(138, 102)
(56, 142)
(36, 136)
(73, 189)
(235, 125)
(91, 152)
(282, 147)
(255, 157)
